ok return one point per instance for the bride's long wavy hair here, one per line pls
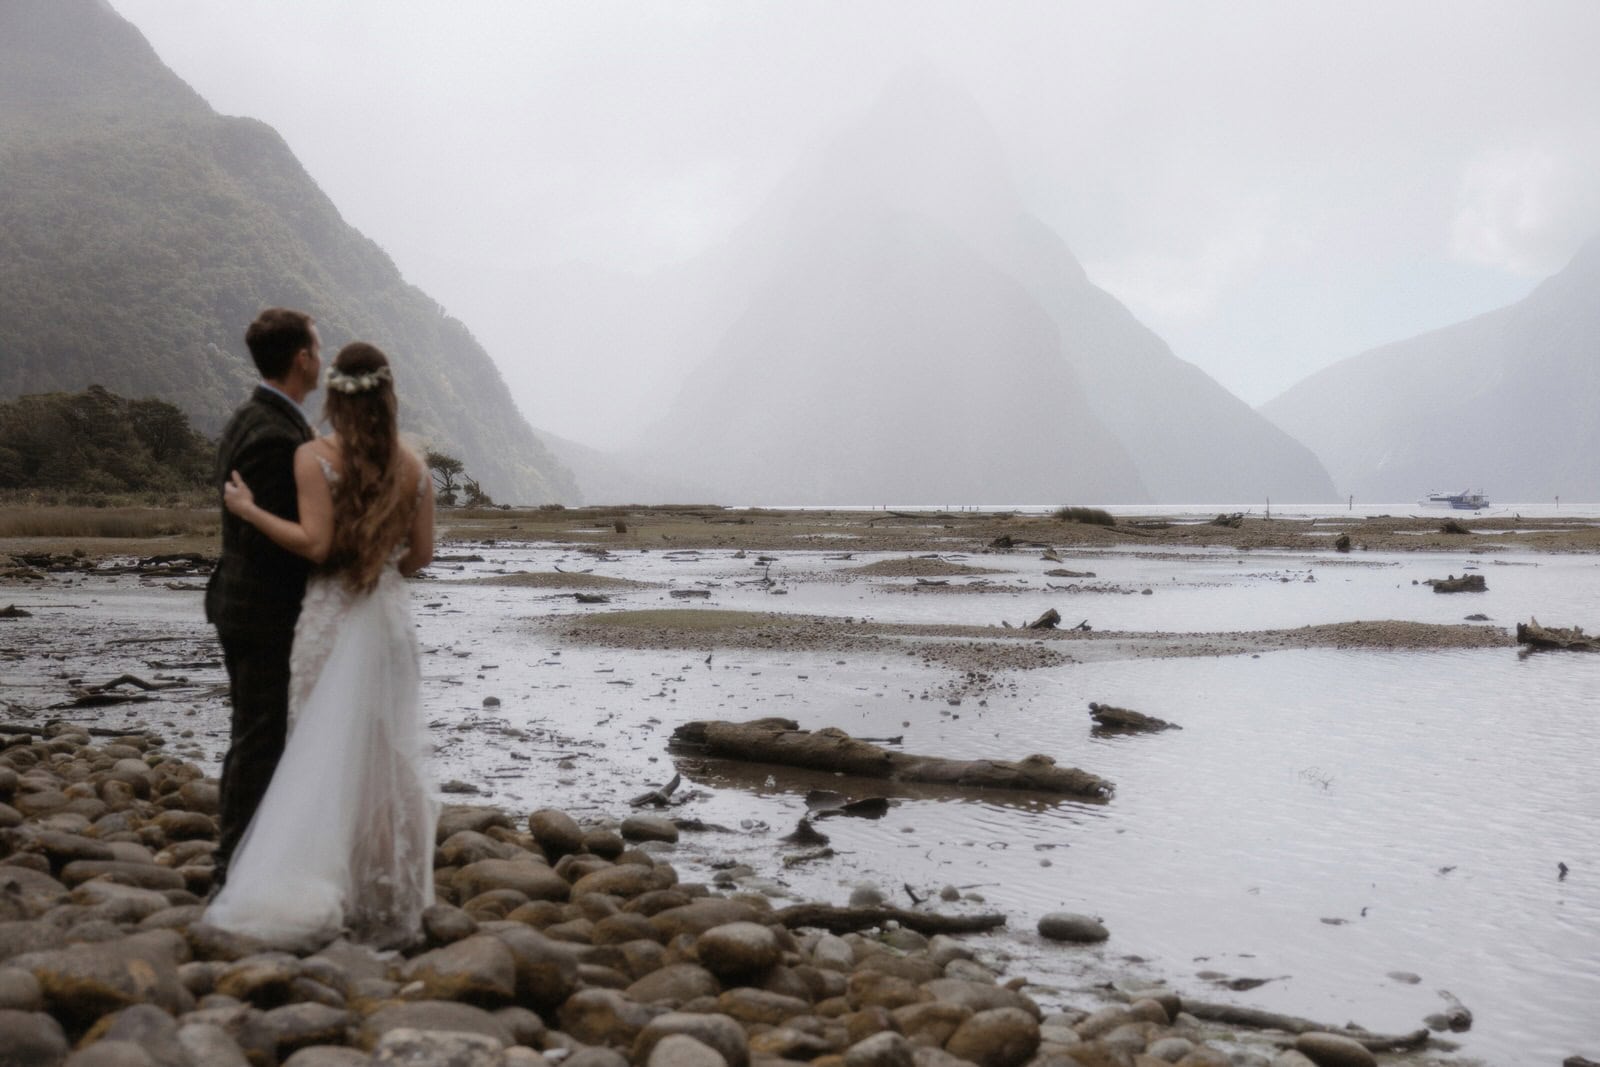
(371, 505)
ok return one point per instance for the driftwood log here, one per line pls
(847, 920)
(1467, 583)
(1567, 639)
(782, 742)
(1114, 720)
(1236, 1015)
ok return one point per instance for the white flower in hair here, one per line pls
(340, 382)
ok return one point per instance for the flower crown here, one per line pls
(341, 382)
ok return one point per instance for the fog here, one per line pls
(1268, 186)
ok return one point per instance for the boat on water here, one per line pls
(1466, 500)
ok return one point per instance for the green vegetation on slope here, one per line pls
(96, 442)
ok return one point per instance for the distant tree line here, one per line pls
(98, 442)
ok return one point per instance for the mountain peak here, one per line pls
(79, 57)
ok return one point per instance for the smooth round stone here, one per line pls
(675, 983)
(605, 843)
(598, 1016)
(739, 948)
(31, 1037)
(1070, 926)
(408, 1047)
(328, 1056)
(432, 1015)
(1332, 1050)
(480, 969)
(681, 1050)
(533, 880)
(1171, 1049)
(719, 1033)
(557, 832)
(649, 828)
(1003, 1037)
(886, 1049)
(19, 990)
(445, 925)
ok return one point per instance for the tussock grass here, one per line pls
(1091, 516)
(36, 521)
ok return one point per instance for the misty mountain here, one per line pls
(895, 326)
(1505, 402)
(140, 232)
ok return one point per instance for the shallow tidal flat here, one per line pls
(1363, 812)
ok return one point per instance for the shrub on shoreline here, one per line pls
(1091, 516)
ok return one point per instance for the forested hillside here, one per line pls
(140, 232)
(97, 442)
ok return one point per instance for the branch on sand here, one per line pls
(1235, 1015)
(848, 920)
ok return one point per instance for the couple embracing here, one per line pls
(327, 814)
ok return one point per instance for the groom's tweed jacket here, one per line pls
(257, 586)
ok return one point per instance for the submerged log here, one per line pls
(782, 742)
(1568, 639)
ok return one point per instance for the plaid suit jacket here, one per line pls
(257, 586)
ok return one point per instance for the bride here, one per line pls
(343, 839)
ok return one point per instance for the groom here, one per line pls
(254, 594)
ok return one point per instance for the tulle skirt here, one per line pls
(342, 843)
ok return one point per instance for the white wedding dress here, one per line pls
(343, 840)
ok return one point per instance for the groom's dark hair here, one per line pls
(274, 338)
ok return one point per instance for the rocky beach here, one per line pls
(610, 894)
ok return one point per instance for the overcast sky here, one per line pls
(1270, 186)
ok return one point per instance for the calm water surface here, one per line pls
(1324, 818)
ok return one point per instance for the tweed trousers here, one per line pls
(258, 676)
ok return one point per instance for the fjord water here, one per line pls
(1325, 819)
